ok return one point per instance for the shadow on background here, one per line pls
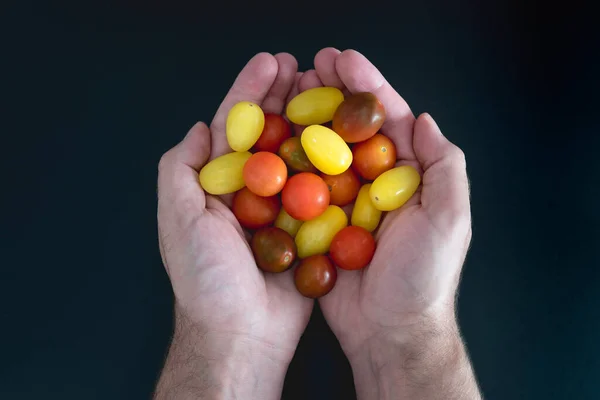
(98, 93)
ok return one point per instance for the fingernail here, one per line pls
(437, 128)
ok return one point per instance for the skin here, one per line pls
(236, 328)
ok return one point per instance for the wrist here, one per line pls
(424, 360)
(220, 365)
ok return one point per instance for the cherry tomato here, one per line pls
(364, 213)
(287, 223)
(315, 276)
(244, 125)
(274, 249)
(224, 174)
(393, 188)
(314, 106)
(253, 211)
(305, 196)
(352, 248)
(374, 156)
(295, 157)
(359, 117)
(343, 188)
(265, 173)
(276, 130)
(326, 150)
(315, 236)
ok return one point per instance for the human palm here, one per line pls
(216, 282)
(421, 246)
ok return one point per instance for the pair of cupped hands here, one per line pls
(230, 312)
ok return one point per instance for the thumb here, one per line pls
(445, 194)
(178, 167)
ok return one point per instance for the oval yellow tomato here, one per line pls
(314, 106)
(245, 123)
(364, 213)
(315, 236)
(394, 187)
(326, 150)
(288, 223)
(224, 174)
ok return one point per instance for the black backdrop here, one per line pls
(96, 93)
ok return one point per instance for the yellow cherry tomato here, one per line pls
(394, 187)
(245, 123)
(314, 106)
(224, 174)
(288, 223)
(326, 150)
(315, 236)
(364, 213)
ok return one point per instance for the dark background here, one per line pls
(95, 93)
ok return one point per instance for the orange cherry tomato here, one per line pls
(352, 248)
(343, 188)
(358, 117)
(275, 131)
(374, 156)
(265, 174)
(253, 211)
(305, 196)
(315, 276)
(292, 152)
(274, 249)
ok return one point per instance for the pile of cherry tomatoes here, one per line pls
(313, 200)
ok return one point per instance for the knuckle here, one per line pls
(458, 156)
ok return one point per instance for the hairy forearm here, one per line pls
(429, 363)
(202, 366)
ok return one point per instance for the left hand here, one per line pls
(236, 328)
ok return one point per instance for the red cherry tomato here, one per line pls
(265, 174)
(374, 156)
(315, 276)
(305, 196)
(343, 188)
(358, 117)
(274, 249)
(352, 248)
(276, 130)
(253, 211)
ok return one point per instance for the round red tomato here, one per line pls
(374, 156)
(358, 117)
(352, 248)
(253, 211)
(315, 276)
(343, 188)
(274, 249)
(276, 130)
(265, 173)
(292, 152)
(305, 196)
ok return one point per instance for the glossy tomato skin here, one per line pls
(364, 213)
(265, 173)
(253, 211)
(374, 156)
(275, 131)
(359, 117)
(315, 236)
(314, 106)
(292, 152)
(343, 188)
(274, 249)
(305, 196)
(315, 276)
(245, 122)
(352, 248)
(287, 223)
(326, 150)
(224, 174)
(394, 187)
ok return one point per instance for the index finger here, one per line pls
(359, 75)
(252, 84)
